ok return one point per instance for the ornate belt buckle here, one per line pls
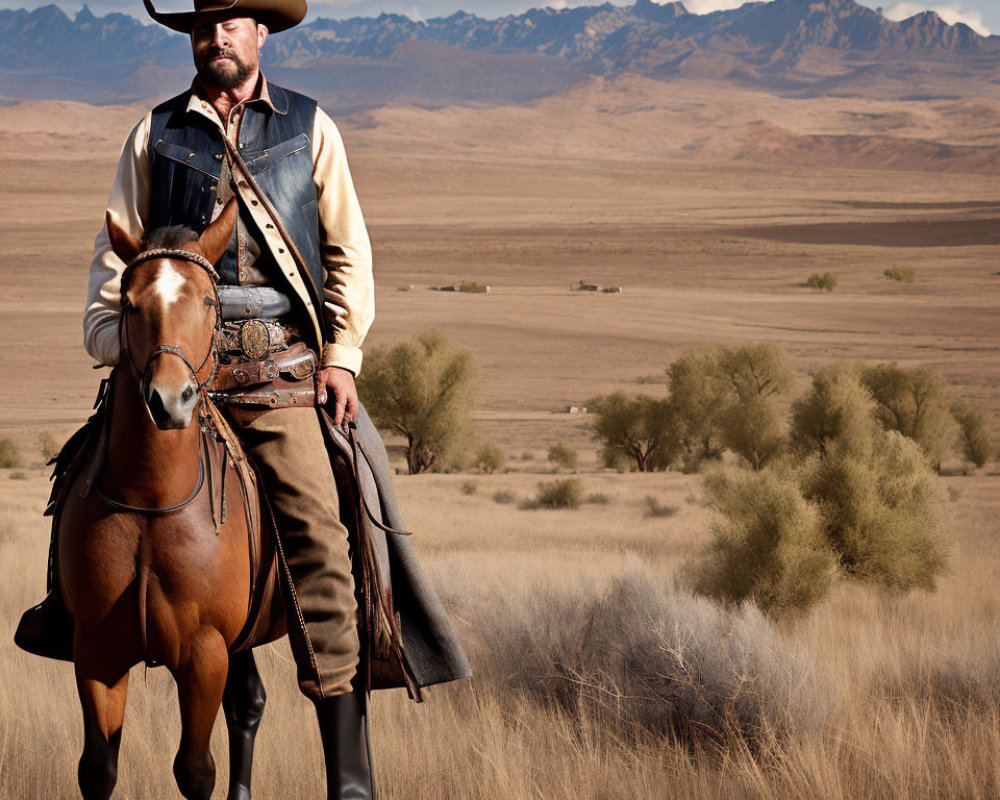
(255, 342)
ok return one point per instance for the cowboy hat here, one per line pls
(277, 15)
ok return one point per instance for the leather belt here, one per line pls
(296, 363)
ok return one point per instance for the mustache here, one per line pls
(214, 52)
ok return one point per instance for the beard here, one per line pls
(222, 74)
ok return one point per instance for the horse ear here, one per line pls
(124, 244)
(214, 241)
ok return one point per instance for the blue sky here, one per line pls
(982, 15)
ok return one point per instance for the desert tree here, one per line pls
(422, 389)
(974, 440)
(724, 398)
(636, 427)
(697, 397)
(915, 402)
(837, 408)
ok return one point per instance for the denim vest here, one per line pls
(186, 154)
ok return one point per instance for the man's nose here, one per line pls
(220, 38)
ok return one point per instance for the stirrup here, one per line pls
(47, 629)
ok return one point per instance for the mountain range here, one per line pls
(802, 48)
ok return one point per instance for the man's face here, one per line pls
(226, 49)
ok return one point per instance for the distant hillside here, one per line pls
(793, 47)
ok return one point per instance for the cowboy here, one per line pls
(300, 249)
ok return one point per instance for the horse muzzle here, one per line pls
(170, 408)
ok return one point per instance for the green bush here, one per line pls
(563, 456)
(826, 281)
(10, 454)
(974, 440)
(897, 274)
(489, 458)
(472, 287)
(876, 504)
(768, 543)
(566, 493)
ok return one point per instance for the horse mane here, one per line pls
(171, 236)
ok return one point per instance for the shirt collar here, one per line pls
(199, 104)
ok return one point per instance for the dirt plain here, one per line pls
(710, 221)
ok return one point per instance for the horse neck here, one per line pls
(151, 467)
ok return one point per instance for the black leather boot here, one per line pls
(47, 629)
(344, 730)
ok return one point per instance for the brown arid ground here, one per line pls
(710, 207)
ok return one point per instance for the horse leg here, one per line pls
(103, 715)
(243, 704)
(200, 684)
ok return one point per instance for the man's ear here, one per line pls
(124, 245)
(262, 32)
(214, 241)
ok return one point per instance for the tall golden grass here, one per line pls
(907, 687)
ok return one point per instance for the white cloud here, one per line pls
(951, 13)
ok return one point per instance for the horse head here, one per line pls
(170, 313)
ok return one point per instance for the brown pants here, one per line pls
(288, 447)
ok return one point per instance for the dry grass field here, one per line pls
(711, 237)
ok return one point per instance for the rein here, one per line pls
(170, 349)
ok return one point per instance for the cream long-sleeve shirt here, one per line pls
(345, 249)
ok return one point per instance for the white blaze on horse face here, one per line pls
(167, 285)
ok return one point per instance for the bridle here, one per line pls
(169, 349)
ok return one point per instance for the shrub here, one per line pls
(10, 454)
(655, 509)
(423, 390)
(876, 503)
(468, 487)
(503, 497)
(527, 455)
(768, 544)
(489, 458)
(567, 493)
(954, 494)
(897, 274)
(826, 281)
(974, 440)
(599, 499)
(642, 654)
(471, 287)
(18, 475)
(563, 456)
(48, 445)
(636, 427)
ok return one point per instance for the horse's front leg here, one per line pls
(243, 704)
(201, 681)
(103, 715)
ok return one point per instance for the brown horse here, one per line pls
(148, 570)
